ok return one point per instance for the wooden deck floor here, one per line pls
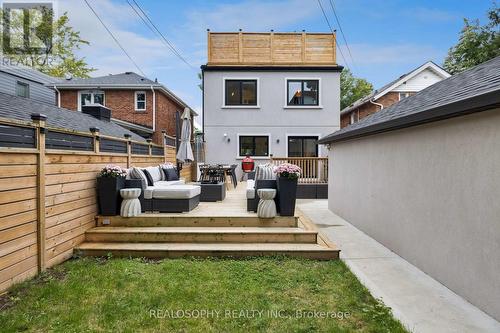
(222, 228)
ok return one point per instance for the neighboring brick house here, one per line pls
(404, 86)
(141, 105)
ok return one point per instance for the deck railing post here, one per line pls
(39, 121)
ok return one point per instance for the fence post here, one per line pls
(39, 121)
(129, 150)
(164, 133)
(150, 147)
(95, 133)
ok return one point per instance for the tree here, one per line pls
(476, 44)
(60, 42)
(352, 88)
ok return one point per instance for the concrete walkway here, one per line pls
(421, 303)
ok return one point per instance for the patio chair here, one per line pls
(232, 174)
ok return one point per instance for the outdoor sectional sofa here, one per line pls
(264, 178)
(160, 194)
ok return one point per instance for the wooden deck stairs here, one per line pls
(174, 236)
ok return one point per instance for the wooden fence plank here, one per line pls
(9, 171)
(17, 195)
(22, 159)
(17, 219)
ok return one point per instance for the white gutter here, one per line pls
(154, 108)
(58, 97)
(381, 106)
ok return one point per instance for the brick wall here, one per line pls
(69, 99)
(165, 116)
(122, 105)
(368, 108)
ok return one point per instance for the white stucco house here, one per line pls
(269, 94)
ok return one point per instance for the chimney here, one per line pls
(97, 111)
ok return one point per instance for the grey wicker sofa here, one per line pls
(164, 196)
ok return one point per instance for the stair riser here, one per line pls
(202, 237)
(319, 255)
(169, 221)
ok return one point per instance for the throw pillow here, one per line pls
(171, 174)
(148, 177)
(136, 173)
(265, 171)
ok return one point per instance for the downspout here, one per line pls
(58, 97)
(381, 106)
(154, 108)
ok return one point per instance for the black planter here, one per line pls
(287, 194)
(108, 192)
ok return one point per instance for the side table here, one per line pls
(131, 206)
(266, 207)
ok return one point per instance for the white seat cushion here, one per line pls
(176, 192)
(250, 189)
(165, 183)
(148, 192)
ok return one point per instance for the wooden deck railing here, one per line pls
(314, 169)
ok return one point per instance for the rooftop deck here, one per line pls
(271, 49)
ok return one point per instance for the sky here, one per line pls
(386, 38)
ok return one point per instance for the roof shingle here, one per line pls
(21, 108)
(473, 90)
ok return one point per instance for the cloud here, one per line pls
(376, 54)
(252, 15)
(431, 15)
(103, 53)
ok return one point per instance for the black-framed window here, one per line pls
(302, 146)
(302, 92)
(254, 145)
(240, 92)
(22, 89)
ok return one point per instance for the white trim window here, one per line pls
(255, 145)
(140, 101)
(302, 92)
(353, 117)
(403, 95)
(86, 97)
(22, 89)
(240, 93)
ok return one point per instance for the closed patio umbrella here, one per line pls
(185, 153)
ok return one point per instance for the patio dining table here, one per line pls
(224, 168)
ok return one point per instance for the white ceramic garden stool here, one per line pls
(267, 206)
(131, 206)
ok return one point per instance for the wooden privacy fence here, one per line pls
(314, 169)
(48, 190)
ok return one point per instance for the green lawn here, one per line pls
(220, 295)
